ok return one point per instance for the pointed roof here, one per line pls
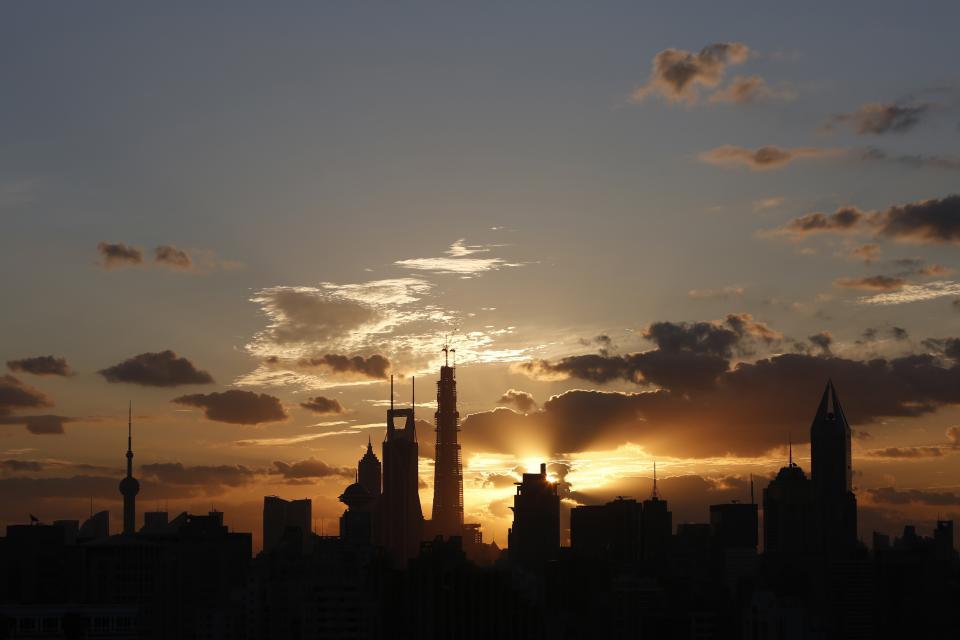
(830, 409)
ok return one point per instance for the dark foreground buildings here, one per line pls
(628, 572)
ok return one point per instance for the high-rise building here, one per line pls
(734, 525)
(400, 515)
(832, 476)
(657, 526)
(129, 487)
(448, 471)
(534, 538)
(369, 473)
(609, 532)
(279, 515)
(789, 523)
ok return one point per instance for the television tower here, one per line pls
(448, 472)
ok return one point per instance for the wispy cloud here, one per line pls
(460, 259)
(765, 158)
(914, 293)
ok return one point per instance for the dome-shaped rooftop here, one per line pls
(355, 494)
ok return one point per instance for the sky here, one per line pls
(649, 232)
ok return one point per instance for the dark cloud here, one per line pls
(878, 119)
(946, 347)
(899, 333)
(872, 283)
(822, 341)
(115, 255)
(522, 400)
(236, 406)
(162, 369)
(956, 304)
(907, 452)
(912, 160)
(20, 465)
(866, 252)
(677, 75)
(763, 158)
(323, 406)
(933, 221)
(15, 395)
(375, 366)
(310, 468)
(26, 490)
(842, 220)
(210, 478)
(926, 222)
(41, 366)
(953, 436)
(889, 495)
(744, 410)
(169, 256)
(42, 425)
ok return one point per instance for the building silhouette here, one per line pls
(534, 538)
(369, 472)
(610, 532)
(657, 528)
(789, 519)
(129, 487)
(400, 517)
(447, 520)
(832, 477)
(284, 517)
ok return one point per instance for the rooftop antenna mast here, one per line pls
(413, 397)
(790, 450)
(655, 496)
(752, 501)
(391, 392)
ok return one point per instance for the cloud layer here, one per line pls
(236, 406)
(41, 366)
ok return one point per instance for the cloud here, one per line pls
(117, 255)
(173, 258)
(323, 406)
(822, 341)
(872, 283)
(20, 465)
(953, 436)
(768, 203)
(677, 75)
(748, 89)
(912, 160)
(522, 400)
(946, 347)
(208, 477)
(374, 367)
(933, 221)
(15, 395)
(40, 425)
(41, 366)
(913, 293)
(723, 293)
(236, 406)
(161, 369)
(878, 119)
(703, 406)
(765, 158)
(866, 252)
(309, 468)
(906, 452)
(889, 495)
(458, 261)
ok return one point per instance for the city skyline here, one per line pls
(649, 235)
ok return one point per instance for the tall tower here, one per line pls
(832, 475)
(448, 472)
(401, 517)
(369, 472)
(129, 487)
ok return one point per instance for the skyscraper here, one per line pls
(369, 473)
(280, 515)
(657, 526)
(534, 538)
(129, 487)
(448, 471)
(832, 476)
(401, 518)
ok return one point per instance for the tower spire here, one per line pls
(391, 392)
(130, 439)
(655, 496)
(129, 487)
(413, 397)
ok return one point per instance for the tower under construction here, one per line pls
(448, 471)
